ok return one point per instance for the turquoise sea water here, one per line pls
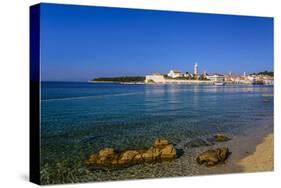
(78, 119)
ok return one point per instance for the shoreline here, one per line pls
(263, 157)
(177, 82)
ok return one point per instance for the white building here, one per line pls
(268, 82)
(175, 74)
(187, 75)
(252, 78)
(216, 77)
(156, 77)
(196, 72)
(205, 73)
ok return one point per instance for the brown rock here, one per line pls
(92, 159)
(103, 160)
(160, 142)
(155, 152)
(107, 157)
(138, 158)
(127, 156)
(106, 152)
(168, 152)
(150, 155)
(213, 157)
(147, 156)
(114, 162)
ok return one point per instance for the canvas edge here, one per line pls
(34, 94)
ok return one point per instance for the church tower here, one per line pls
(196, 72)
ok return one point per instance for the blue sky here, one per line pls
(79, 43)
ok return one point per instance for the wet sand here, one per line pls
(262, 159)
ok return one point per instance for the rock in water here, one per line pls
(127, 156)
(106, 152)
(168, 152)
(107, 157)
(267, 95)
(198, 142)
(219, 138)
(213, 157)
(152, 154)
(160, 142)
(266, 100)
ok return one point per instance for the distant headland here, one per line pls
(121, 79)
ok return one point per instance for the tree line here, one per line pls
(121, 79)
(268, 73)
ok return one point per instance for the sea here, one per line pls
(80, 118)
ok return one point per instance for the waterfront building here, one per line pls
(175, 74)
(269, 81)
(264, 79)
(205, 73)
(188, 75)
(216, 77)
(155, 78)
(251, 78)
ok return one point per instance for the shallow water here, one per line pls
(80, 118)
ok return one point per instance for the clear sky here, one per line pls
(79, 43)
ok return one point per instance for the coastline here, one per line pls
(263, 157)
(168, 82)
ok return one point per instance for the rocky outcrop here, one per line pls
(219, 138)
(161, 150)
(213, 157)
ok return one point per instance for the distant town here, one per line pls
(178, 77)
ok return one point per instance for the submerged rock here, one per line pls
(161, 150)
(219, 138)
(266, 100)
(267, 95)
(213, 157)
(198, 142)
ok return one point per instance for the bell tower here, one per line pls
(196, 72)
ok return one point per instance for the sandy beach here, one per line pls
(262, 159)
